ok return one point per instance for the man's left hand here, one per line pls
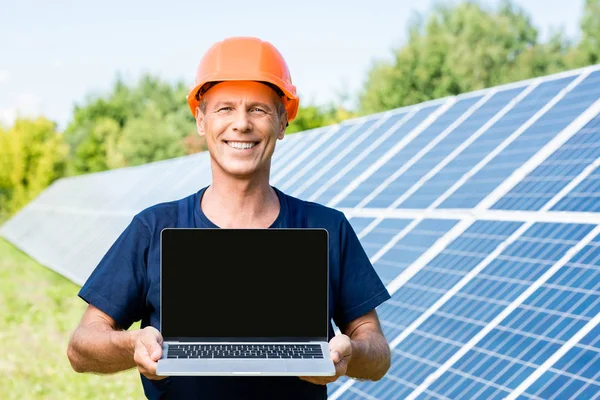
(340, 349)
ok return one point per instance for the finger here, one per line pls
(153, 347)
(335, 357)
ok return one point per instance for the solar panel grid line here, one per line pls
(506, 142)
(295, 145)
(393, 240)
(393, 151)
(486, 214)
(341, 154)
(573, 377)
(299, 158)
(475, 378)
(546, 151)
(556, 171)
(432, 251)
(505, 312)
(574, 183)
(460, 284)
(406, 165)
(568, 345)
(342, 136)
(462, 146)
(518, 358)
(374, 144)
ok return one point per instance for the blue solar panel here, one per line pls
(421, 167)
(429, 285)
(328, 172)
(308, 149)
(382, 233)
(484, 297)
(360, 223)
(376, 153)
(315, 163)
(527, 144)
(487, 142)
(408, 249)
(556, 172)
(390, 167)
(575, 376)
(585, 196)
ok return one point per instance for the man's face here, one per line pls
(241, 124)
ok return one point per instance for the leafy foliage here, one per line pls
(32, 155)
(132, 125)
(465, 47)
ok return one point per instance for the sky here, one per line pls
(54, 55)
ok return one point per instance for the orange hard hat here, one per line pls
(245, 59)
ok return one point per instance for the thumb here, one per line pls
(155, 352)
(335, 357)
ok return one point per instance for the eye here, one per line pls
(224, 109)
(258, 109)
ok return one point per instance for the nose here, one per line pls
(242, 122)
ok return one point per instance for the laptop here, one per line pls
(244, 302)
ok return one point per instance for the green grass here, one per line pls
(38, 311)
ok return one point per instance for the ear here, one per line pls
(200, 122)
(283, 123)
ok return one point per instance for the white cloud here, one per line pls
(4, 75)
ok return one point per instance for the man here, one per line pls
(242, 101)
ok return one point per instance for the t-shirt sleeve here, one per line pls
(361, 289)
(117, 285)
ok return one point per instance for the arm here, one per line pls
(98, 345)
(371, 356)
(361, 352)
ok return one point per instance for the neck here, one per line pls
(240, 203)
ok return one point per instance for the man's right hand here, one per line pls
(147, 351)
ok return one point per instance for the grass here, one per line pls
(38, 311)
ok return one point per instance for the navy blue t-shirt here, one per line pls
(126, 286)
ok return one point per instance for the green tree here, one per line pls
(146, 122)
(461, 48)
(313, 116)
(588, 51)
(32, 155)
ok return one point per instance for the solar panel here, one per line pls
(556, 172)
(479, 212)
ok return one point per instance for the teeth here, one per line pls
(241, 145)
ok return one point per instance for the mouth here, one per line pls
(242, 146)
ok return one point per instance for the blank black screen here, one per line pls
(248, 283)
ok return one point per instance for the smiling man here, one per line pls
(242, 100)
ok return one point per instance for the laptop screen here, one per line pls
(244, 284)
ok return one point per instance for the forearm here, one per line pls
(370, 356)
(101, 349)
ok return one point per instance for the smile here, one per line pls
(241, 145)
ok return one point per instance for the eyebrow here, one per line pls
(250, 105)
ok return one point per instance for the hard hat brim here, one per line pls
(291, 101)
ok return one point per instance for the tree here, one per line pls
(589, 47)
(313, 116)
(32, 155)
(146, 122)
(461, 48)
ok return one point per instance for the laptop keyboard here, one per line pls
(244, 351)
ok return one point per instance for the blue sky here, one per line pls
(54, 54)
